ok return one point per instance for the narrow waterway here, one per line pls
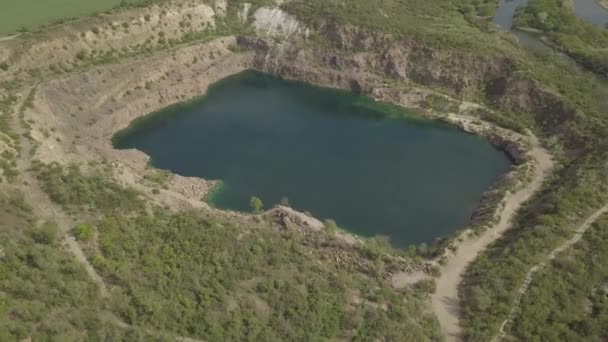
(588, 10)
(591, 11)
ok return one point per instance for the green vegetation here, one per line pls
(207, 277)
(159, 177)
(441, 23)
(8, 166)
(583, 41)
(25, 15)
(95, 192)
(44, 293)
(568, 300)
(84, 231)
(8, 142)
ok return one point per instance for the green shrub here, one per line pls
(227, 284)
(46, 294)
(74, 190)
(428, 285)
(84, 231)
(256, 205)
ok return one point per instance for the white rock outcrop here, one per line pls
(276, 22)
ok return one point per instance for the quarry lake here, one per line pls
(373, 168)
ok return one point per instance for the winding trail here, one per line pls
(445, 301)
(9, 37)
(578, 234)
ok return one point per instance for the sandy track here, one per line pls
(444, 301)
(9, 37)
(578, 234)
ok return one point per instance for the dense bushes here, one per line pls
(74, 190)
(568, 300)
(439, 23)
(207, 278)
(84, 232)
(44, 293)
(193, 275)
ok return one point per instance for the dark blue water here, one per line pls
(374, 169)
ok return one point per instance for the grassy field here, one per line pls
(30, 14)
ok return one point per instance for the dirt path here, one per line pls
(9, 37)
(578, 234)
(45, 208)
(445, 301)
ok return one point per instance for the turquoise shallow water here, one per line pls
(373, 168)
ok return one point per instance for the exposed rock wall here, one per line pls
(368, 62)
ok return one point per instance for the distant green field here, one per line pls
(16, 14)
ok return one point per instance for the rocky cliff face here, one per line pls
(371, 63)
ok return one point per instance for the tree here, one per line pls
(256, 204)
